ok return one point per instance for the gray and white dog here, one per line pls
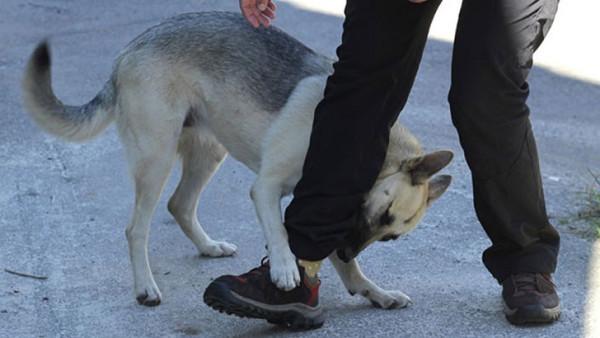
(203, 85)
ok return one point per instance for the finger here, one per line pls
(272, 6)
(253, 20)
(264, 20)
(269, 13)
(248, 8)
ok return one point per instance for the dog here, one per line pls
(201, 85)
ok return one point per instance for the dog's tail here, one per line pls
(73, 123)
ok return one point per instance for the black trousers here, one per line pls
(382, 45)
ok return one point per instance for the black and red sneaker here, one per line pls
(253, 295)
(530, 298)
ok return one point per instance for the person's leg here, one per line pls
(493, 51)
(379, 56)
(380, 52)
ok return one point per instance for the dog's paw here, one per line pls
(387, 299)
(149, 295)
(217, 249)
(283, 269)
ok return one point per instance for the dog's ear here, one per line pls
(437, 186)
(423, 167)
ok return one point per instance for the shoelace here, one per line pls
(525, 282)
(529, 282)
(260, 270)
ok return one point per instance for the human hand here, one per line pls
(258, 12)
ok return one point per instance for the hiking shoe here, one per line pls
(253, 295)
(530, 298)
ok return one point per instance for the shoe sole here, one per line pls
(531, 314)
(293, 316)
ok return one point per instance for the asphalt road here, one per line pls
(64, 207)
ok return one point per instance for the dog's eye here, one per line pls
(386, 218)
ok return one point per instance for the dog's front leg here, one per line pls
(266, 195)
(357, 283)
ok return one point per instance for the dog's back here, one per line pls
(264, 64)
(218, 49)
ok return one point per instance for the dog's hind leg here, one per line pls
(150, 132)
(357, 283)
(201, 156)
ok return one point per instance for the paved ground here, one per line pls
(64, 207)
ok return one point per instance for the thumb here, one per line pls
(262, 5)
